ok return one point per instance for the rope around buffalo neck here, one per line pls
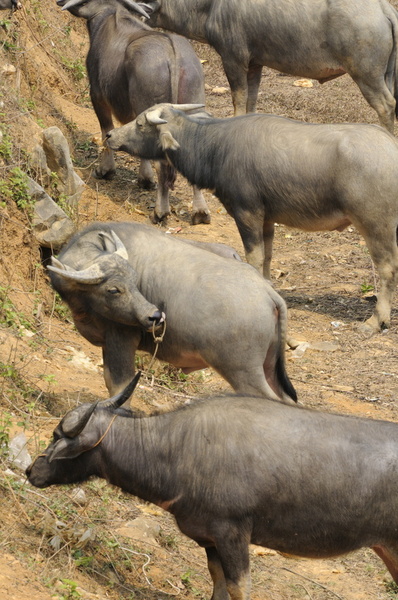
(104, 434)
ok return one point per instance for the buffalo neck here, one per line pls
(137, 455)
(200, 154)
(191, 24)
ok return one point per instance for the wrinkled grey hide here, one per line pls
(131, 67)
(120, 279)
(240, 470)
(318, 39)
(313, 177)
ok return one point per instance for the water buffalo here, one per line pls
(240, 470)
(120, 278)
(267, 169)
(316, 39)
(131, 67)
(10, 4)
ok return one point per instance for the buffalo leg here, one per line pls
(382, 101)
(389, 556)
(250, 226)
(145, 175)
(200, 210)
(383, 248)
(118, 355)
(220, 591)
(234, 559)
(268, 240)
(253, 83)
(237, 79)
(249, 382)
(374, 85)
(107, 167)
(166, 178)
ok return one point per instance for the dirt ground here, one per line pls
(327, 280)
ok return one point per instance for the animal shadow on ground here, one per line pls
(336, 306)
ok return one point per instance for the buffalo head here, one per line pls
(149, 136)
(108, 286)
(66, 459)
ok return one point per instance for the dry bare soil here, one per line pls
(47, 367)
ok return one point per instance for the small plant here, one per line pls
(391, 588)
(68, 589)
(50, 379)
(61, 309)
(9, 315)
(16, 188)
(5, 24)
(5, 146)
(8, 371)
(186, 579)
(5, 424)
(76, 68)
(367, 287)
(81, 559)
(168, 540)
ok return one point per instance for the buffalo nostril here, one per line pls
(157, 316)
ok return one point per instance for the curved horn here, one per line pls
(72, 4)
(75, 421)
(57, 263)
(120, 247)
(92, 275)
(117, 245)
(129, 4)
(187, 107)
(153, 117)
(122, 397)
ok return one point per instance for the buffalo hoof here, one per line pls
(146, 184)
(368, 328)
(98, 174)
(156, 219)
(201, 217)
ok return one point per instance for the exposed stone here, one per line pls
(141, 529)
(220, 91)
(8, 69)
(59, 161)
(306, 83)
(325, 346)
(51, 225)
(78, 496)
(38, 164)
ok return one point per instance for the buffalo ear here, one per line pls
(75, 420)
(167, 141)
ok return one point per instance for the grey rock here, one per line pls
(38, 164)
(59, 161)
(51, 225)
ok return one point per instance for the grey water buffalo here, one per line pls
(318, 39)
(240, 470)
(131, 67)
(10, 4)
(121, 280)
(267, 169)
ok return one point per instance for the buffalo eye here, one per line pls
(114, 290)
